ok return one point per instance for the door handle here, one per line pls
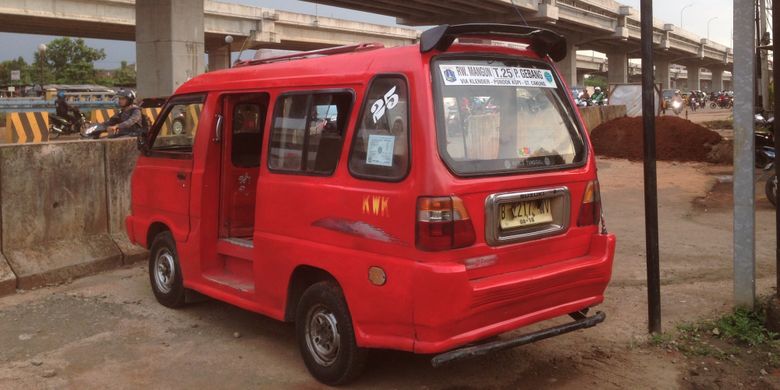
(181, 175)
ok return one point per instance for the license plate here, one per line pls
(525, 213)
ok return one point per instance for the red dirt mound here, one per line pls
(676, 139)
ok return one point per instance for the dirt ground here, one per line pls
(108, 331)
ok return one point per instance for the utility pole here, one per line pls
(744, 158)
(650, 175)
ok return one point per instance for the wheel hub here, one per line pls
(322, 336)
(164, 271)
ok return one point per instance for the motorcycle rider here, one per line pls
(598, 96)
(64, 110)
(129, 119)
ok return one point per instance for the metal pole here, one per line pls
(744, 181)
(764, 55)
(776, 71)
(651, 186)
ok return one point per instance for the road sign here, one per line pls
(16, 75)
(12, 89)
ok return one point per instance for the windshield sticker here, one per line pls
(388, 102)
(380, 150)
(496, 76)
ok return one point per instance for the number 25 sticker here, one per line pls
(380, 106)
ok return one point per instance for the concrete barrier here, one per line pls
(120, 157)
(26, 127)
(7, 278)
(596, 115)
(53, 200)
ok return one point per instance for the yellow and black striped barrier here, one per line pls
(100, 116)
(26, 127)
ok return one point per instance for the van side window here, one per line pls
(380, 148)
(179, 125)
(308, 132)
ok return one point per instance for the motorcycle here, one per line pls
(693, 103)
(723, 101)
(59, 126)
(677, 106)
(95, 131)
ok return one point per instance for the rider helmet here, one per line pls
(128, 94)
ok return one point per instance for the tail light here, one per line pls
(443, 223)
(590, 211)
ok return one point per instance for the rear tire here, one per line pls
(326, 339)
(165, 272)
(770, 188)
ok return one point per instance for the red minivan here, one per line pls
(421, 198)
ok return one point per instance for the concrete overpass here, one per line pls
(678, 75)
(605, 26)
(174, 33)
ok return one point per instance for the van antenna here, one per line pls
(243, 45)
(520, 14)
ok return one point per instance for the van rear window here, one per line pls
(503, 116)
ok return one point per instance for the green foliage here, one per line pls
(69, 61)
(18, 64)
(597, 80)
(745, 327)
(125, 75)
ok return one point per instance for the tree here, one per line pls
(18, 64)
(596, 80)
(69, 61)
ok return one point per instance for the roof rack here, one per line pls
(306, 54)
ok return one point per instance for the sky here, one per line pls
(695, 19)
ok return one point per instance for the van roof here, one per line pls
(345, 64)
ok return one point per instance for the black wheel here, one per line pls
(771, 190)
(165, 272)
(325, 335)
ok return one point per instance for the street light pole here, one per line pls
(228, 41)
(708, 27)
(41, 60)
(682, 10)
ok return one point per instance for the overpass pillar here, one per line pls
(219, 58)
(169, 44)
(617, 63)
(662, 73)
(717, 78)
(694, 77)
(568, 66)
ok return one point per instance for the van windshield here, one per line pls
(503, 116)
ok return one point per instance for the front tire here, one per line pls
(165, 272)
(326, 339)
(771, 190)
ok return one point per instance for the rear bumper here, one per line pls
(450, 310)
